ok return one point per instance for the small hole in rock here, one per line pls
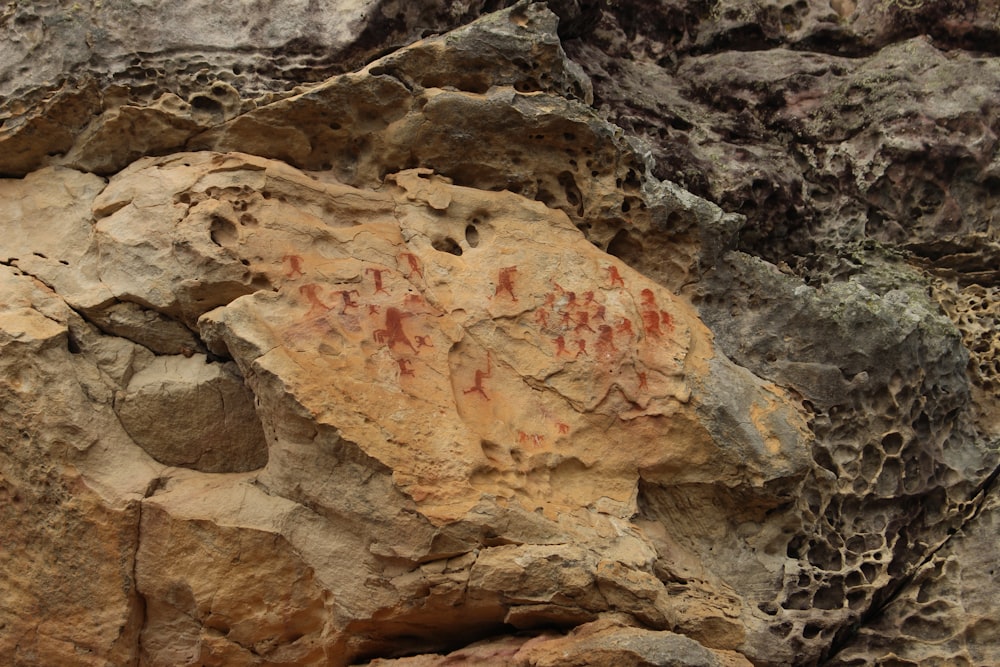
(223, 232)
(205, 103)
(798, 600)
(448, 245)
(829, 598)
(768, 608)
(857, 600)
(624, 247)
(472, 236)
(261, 283)
(892, 442)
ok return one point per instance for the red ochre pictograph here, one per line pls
(405, 366)
(625, 327)
(348, 301)
(652, 315)
(560, 345)
(505, 282)
(616, 278)
(393, 332)
(477, 387)
(570, 296)
(606, 341)
(667, 320)
(377, 277)
(524, 438)
(583, 322)
(311, 292)
(413, 262)
(295, 265)
(651, 322)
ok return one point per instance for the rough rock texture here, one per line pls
(369, 333)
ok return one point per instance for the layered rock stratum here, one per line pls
(440, 333)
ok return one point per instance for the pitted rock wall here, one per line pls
(320, 350)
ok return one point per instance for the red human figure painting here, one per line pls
(560, 346)
(650, 313)
(606, 341)
(581, 347)
(393, 332)
(542, 317)
(505, 282)
(423, 341)
(404, 366)
(477, 386)
(616, 278)
(311, 292)
(373, 309)
(413, 262)
(651, 322)
(583, 322)
(562, 427)
(377, 278)
(570, 296)
(348, 301)
(625, 327)
(642, 381)
(666, 320)
(294, 264)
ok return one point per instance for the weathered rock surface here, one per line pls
(474, 379)
(947, 612)
(317, 350)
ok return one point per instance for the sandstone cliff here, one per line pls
(435, 333)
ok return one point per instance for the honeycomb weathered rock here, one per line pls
(444, 288)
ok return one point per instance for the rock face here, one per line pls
(382, 335)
